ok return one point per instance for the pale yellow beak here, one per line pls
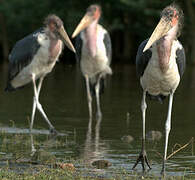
(85, 21)
(66, 39)
(161, 29)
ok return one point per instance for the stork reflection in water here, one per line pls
(93, 149)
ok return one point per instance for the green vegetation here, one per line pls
(128, 21)
(19, 162)
(44, 173)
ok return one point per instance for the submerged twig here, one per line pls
(75, 134)
(175, 146)
(182, 147)
(179, 149)
(192, 146)
(28, 120)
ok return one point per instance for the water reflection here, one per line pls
(64, 98)
(88, 150)
(33, 150)
(92, 149)
(97, 136)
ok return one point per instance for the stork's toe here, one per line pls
(143, 159)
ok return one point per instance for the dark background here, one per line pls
(128, 21)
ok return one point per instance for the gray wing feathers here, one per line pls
(108, 46)
(181, 60)
(22, 55)
(78, 47)
(142, 58)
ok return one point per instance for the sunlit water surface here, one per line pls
(63, 97)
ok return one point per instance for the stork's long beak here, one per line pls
(66, 39)
(85, 21)
(161, 29)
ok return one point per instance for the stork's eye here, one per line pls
(169, 13)
(55, 23)
(91, 10)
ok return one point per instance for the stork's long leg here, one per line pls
(89, 98)
(40, 84)
(33, 114)
(143, 157)
(39, 106)
(167, 130)
(97, 93)
(34, 102)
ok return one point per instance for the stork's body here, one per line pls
(157, 81)
(34, 57)
(99, 62)
(160, 64)
(93, 46)
(40, 64)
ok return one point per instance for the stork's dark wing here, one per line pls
(181, 60)
(78, 47)
(142, 58)
(108, 46)
(22, 54)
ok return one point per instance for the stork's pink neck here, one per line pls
(55, 45)
(54, 49)
(91, 37)
(164, 48)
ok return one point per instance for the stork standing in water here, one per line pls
(93, 47)
(160, 64)
(34, 57)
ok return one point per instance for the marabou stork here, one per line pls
(34, 57)
(160, 64)
(93, 46)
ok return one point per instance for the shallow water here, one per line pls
(63, 97)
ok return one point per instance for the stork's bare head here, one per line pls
(93, 14)
(55, 25)
(174, 14)
(171, 16)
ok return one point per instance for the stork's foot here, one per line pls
(163, 169)
(53, 131)
(33, 150)
(143, 158)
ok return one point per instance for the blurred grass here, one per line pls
(44, 173)
(18, 162)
